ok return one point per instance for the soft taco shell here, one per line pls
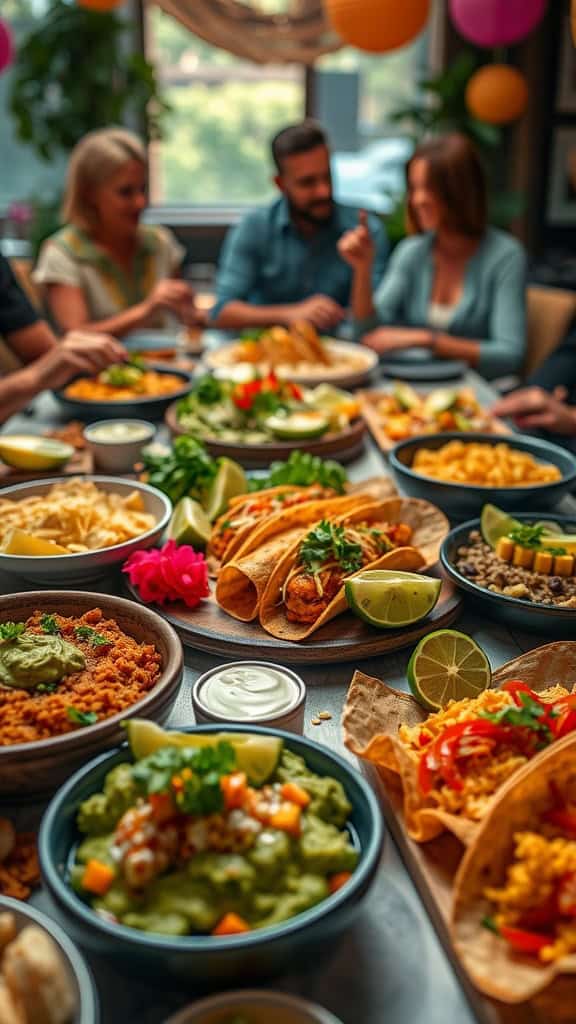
(374, 711)
(429, 526)
(241, 582)
(493, 967)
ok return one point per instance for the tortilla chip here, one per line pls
(429, 526)
(493, 967)
(241, 582)
(374, 711)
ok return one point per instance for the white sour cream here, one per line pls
(118, 431)
(249, 691)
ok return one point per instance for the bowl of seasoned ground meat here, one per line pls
(521, 595)
(73, 666)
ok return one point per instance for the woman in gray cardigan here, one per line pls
(457, 286)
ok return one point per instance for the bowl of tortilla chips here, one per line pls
(60, 532)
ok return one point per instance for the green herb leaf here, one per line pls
(48, 624)
(328, 541)
(208, 390)
(528, 716)
(527, 536)
(201, 792)
(11, 630)
(185, 470)
(489, 923)
(303, 469)
(81, 717)
(46, 687)
(96, 639)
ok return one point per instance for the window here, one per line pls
(225, 111)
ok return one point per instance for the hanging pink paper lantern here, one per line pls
(6, 46)
(496, 22)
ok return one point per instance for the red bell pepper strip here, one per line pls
(442, 756)
(523, 941)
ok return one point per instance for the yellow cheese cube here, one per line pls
(505, 549)
(543, 562)
(523, 557)
(564, 565)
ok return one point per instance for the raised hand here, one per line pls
(356, 246)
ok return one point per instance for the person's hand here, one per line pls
(356, 246)
(78, 352)
(388, 339)
(532, 408)
(176, 296)
(320, 310)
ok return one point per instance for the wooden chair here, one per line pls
(550, 313)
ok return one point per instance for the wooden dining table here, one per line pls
(395, 965)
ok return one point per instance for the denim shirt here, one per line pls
(265, 261)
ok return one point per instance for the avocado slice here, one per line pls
(299, 426)
(406, 396)
(439, 401)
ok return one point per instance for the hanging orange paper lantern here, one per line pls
(377, 25)
(99, 5)
(497, 93)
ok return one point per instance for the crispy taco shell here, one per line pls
(493, 967)
(429, 526)
(242, 534)
(241, 582)
(374, 711)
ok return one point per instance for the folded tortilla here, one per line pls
(429, 527)
(242, 581)
(494, 968)
(242, 533)
(374, 711)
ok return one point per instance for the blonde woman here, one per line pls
(104, 271)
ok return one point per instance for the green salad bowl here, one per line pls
(205, 961)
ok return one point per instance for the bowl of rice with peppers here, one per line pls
(93, 660)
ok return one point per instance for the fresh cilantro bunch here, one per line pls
(200, 792)
(302, 469)
(208, 390)
(186, 469)
(326, 542)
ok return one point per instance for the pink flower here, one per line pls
(170, 573)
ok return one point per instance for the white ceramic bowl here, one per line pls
(113, 455)
(267, 1007)
(290, 717)
(61, 571)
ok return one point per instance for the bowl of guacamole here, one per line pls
(215, 856)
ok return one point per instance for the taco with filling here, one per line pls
(241, 582)
(514, 908)
(451, 764)
(306, 588)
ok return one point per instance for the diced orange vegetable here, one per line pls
(446, 420)
(336, 881)
(295, 794)
(287, 819)
(97, 877)
(563, 565)
(234, 789)
(231, 924)
(162, 806)
(177, 783)
(505, 549)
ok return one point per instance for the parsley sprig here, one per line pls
(527, 536)
(326, 542)
(49, 625)
(11, 630)
(81, 717)
(201, 792)
(96, 639)
(529, 716)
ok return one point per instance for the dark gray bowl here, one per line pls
(459, 501)
(202, 960)
(80, 976)
(536, 618)
(139, 408)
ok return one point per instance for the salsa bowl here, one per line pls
(145, 407)
(29, 770)
(207, 960)
(459, 500)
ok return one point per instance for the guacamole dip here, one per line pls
(30, 659)
(181, 843)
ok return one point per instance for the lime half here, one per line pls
(255, 755)
(190, 524)
(229, 481)
(447, 665)
(27, 451)
(495, 523)
(389, 599)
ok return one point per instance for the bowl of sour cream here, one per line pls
(117, 444)
(251, 691)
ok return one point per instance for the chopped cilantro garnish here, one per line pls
(528, 716)
(46, 687)
(81, 717)
(49, 624)
(11, 630)
(199, 791)
(328, 541)
(489, 923)
(96, 639)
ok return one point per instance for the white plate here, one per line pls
(354, 365)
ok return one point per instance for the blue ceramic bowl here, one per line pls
(146, 408)
(82, 981)
(204, 961)
(536, 618)
(459, 501)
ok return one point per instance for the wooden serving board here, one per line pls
(80, 463)
(368, 401)
(345, 445)
(345, 638)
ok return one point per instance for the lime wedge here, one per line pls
(389, 599)
(255, 755)
(28, 451)
(190, 524)
(229, 481)
(300, 426)
(405, 395)
(495, 523)
(447, 665)
(439, 400)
